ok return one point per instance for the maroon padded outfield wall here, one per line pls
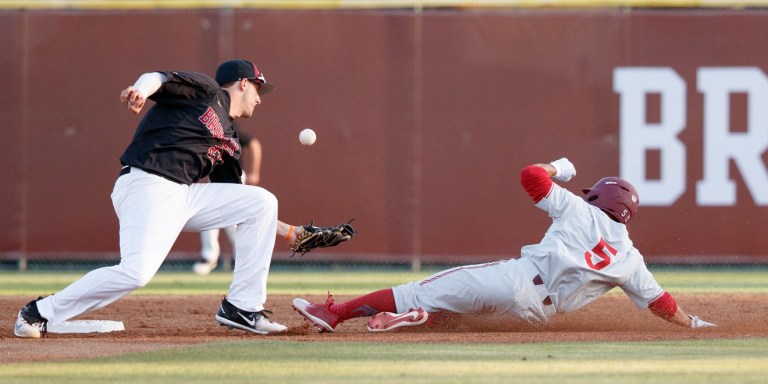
(424, 121)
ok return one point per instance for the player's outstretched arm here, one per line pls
(683, 319)
(305, 238)
(288, 232)
(666, 307)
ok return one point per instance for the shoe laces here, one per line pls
(41, 325)
(329, 302)
(32, 316)
(263, 313)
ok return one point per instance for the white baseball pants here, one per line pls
(504, 287)
(210, 249)
(153, 212)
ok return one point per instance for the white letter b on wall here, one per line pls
(638, 136)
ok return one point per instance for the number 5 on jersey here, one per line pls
(599, 254)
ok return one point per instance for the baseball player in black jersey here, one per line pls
(187, 135)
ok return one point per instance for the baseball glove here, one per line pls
(322, 237)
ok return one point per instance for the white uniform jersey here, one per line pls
(584, 254)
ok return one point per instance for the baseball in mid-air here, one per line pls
(307, 136)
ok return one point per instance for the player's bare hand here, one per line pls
(133, 98)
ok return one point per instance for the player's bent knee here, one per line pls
(136, 279)
(271, 201)
(139, 281)
(263, 202)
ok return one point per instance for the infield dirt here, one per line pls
(157, 322)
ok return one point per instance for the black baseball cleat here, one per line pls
(30, 324)
(257, 322)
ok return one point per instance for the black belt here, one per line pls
(538, 281)
(125, 170)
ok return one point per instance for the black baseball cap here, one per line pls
(235, 70)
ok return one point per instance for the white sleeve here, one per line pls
(641, 287)
(558, 201)
(149, 83)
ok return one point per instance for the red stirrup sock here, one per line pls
(366, 305)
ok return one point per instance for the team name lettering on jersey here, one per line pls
(211, 121)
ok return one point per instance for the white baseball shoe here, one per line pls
(257, 322)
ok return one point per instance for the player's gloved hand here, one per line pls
(565, 169)
(321, 237)
(699, 323)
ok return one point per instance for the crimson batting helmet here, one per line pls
(615, 196)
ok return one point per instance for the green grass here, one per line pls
(712, 279)
(695, 362)
(280, 282)
(355, 282)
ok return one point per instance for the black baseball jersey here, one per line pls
(188, 134)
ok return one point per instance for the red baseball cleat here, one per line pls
(319, 315)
